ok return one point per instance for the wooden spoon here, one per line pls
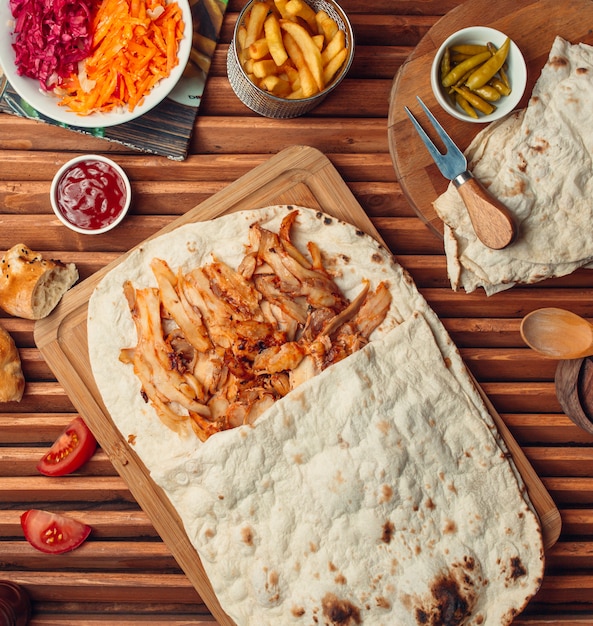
(557, 333)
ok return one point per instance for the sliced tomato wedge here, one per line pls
(71, 450)
(53, 533)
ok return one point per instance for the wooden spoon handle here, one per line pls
(493, 223)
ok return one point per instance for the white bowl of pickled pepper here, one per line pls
(478, 75)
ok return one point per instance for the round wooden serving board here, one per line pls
(533, 25)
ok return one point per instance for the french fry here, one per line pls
(297, 94)
(319, 41)
(281, 7)
(276, 85)
(264, 67)
(259, 48)
(310, 51)
(255, 24)
(326, 26)
(337, 43)
(292, 74)
(295, 55)
(331, 69)
(273, 34)
(243, 56)
(242, 37)
(298, 8)
(308, 85)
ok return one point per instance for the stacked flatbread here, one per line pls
(377, 493)
(539, 163)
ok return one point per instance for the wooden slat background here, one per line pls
(124, 573)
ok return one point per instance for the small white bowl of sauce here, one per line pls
(90, 194)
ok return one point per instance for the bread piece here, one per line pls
(31, 286)
(12, 381)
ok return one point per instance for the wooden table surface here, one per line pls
(124, 573)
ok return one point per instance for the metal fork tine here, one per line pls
(447, 141)
(434, 151)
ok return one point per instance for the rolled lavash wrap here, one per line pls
(378, 492)
(539, 163)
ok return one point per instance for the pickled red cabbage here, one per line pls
(51, 37)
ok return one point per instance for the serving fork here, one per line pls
(492, 222)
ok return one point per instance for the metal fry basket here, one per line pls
(267, 104)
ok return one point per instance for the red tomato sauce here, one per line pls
(91, 194)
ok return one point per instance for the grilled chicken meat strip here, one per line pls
(178, 308)
(154, 359)
(218, 346)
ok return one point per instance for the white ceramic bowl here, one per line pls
(517, 73)
(78, 216)
(47, 104)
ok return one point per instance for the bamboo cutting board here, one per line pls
(298, 175)
(532, 24)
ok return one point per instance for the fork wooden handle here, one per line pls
(493, 223)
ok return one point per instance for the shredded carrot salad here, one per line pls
(135, 45)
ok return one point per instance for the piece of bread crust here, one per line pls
(31, 286)
(12, 381)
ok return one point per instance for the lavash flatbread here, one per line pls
(539, 163)
(111, 328)
(361, 494)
